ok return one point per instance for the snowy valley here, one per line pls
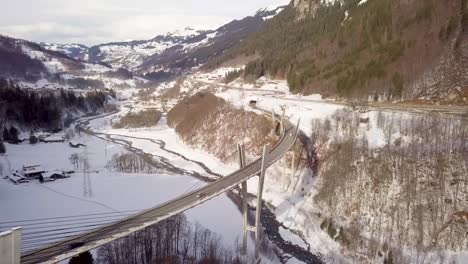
(92, 136)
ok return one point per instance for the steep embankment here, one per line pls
(381, 49)
(210, 123)
(393, 186)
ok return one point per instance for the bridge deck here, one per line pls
(100, 236)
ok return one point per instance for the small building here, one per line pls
(253, 103)
(54, 175)
(41, 135)
(33, 171)
(17, 178)
(49, 176)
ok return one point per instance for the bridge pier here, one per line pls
(273, 120)
(10, 246)
(261, 181)
(256, 228)
(245, 208)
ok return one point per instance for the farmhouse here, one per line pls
(54, 175)
(33, 171)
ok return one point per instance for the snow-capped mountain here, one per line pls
(131, 54)
(117, 63)
(28, 60)
(196, 50)
(170, 54)
(33, 66)
(76, 51)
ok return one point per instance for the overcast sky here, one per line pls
(98, 21)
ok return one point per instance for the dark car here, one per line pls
(76, 244)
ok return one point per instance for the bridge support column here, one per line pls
(10, 246)
(282, 118)
(256, 228)
(273, 119)
(245, 208)
(258, 213)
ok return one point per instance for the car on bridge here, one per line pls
(200, 195)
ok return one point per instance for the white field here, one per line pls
(111, 191)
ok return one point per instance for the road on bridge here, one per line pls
(90, 240)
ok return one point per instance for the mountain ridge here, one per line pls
(146, 57)
(356, 49)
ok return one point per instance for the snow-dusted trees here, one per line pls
(11, 134)
(32, 138)
(145, 118)
(2, 147)
(74, 160)
(132, 163)
(406, 187)
(171, 241)
(43, 109)
(209, 121)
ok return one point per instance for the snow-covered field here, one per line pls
(111, 191)
(142, 138)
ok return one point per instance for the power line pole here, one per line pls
(87, 187)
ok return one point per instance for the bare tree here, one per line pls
(74, 160)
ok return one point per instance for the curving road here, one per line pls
(84, 242)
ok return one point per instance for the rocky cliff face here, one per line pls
(305, 7)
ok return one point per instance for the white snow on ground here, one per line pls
(293, 238)
(163, 132)
(275, 95)
(135, 191)
(374, 134)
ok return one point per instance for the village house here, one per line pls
(54, 175)
(33, 171)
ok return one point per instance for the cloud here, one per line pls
(93, 22)
(146, 26)
(53, 32)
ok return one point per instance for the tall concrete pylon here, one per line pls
(255, 229)
(10, 246)
(245, 208)
(261, 181)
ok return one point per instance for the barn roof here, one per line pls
(33, 169)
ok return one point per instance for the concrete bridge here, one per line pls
(90, 240)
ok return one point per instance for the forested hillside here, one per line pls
(44, 109)
(206, 121)
(394, 49)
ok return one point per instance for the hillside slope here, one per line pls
(31, 65)
(387, 49)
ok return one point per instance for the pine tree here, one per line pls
(6, 134)
(2, 147)
(32, 138)
(13, 135)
